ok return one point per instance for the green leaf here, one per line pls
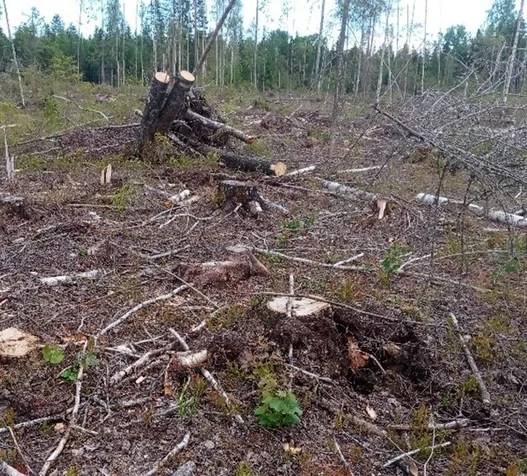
(53, 354)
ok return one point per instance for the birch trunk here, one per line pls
(512, 59)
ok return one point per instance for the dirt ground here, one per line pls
(416, 390)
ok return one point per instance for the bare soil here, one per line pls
(418, 374)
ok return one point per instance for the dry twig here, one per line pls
(485, 395)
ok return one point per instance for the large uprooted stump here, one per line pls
(233, 193)
(182, 114)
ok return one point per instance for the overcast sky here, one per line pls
(303, 16)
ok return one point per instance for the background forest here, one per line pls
(381, 51)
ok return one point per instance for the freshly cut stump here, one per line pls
(300, 306)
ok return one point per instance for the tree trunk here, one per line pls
(255, 59)
(338, 79)
(424, 50)
(318, 71)
(153, 106)
(212, 39)
(512, 59)
(22, 98)
(80, 39)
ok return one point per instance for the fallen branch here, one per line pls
(239, 248)
(310, 374)
(413, 452)
(35, 422)
(180, 447)
(208, 376)
(305, 170)
(451, 425)
(55, 280)
(9, 470)
(358, 171)
(485, 395)
(143, 360)
(341, 456)
(106, 118)
(137, 308)
(73, 418)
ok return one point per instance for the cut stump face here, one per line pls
(301, 307)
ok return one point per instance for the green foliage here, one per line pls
(53, 354)
(123, 197)
(279, 409)
(392, 260)
(64, 68)
(243, 469)
(290, 228)
(71, 373)
(190, 396)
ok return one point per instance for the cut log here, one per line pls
(245, 164)
(349, 192)
(219, 126)
(233, 192)
(498, 216)
(153, 107)
(175, 105)
(236, 268)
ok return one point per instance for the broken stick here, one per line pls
(485, 395)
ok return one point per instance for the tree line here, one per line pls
(385, 51)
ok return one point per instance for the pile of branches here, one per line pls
(486, 137)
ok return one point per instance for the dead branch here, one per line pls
(341, 456)
(305, 170)
(212, 39)
(208, 376)
(360, 170)
(73, 418)
(9, 470)
(243, 163)
(451, 425)
(475, 163)
(143, 360)
(220, 127)
(239, 248)
(137, 308)
(413, 452)
(485, 395)
(37, 421)
(310, 374)
(106, 118)
(55, 280)
(180, 447)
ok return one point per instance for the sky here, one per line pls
(303, 16)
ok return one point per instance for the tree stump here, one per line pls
(153, 106)
(233, 192)
(309, 324)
